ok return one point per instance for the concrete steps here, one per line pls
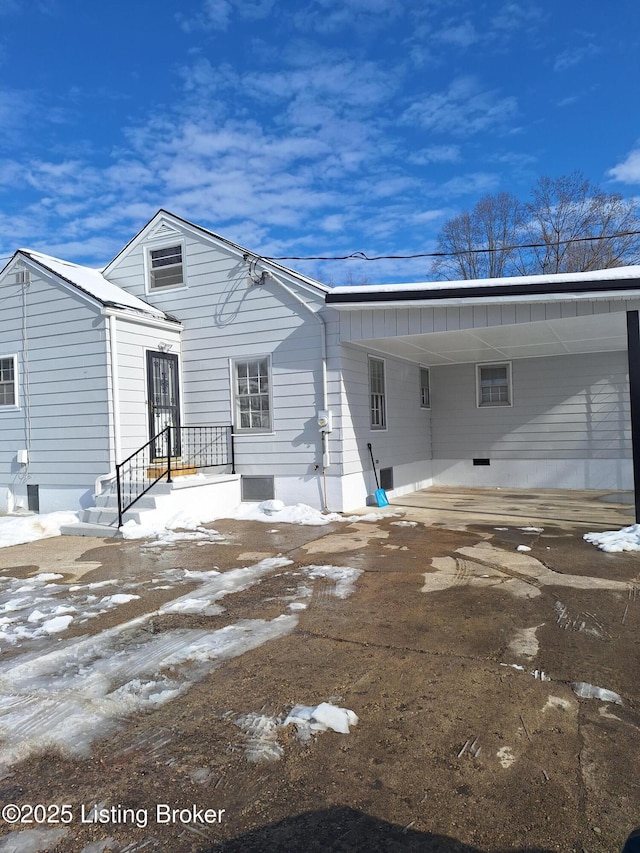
(217, 492)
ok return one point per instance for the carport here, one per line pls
(563, 345)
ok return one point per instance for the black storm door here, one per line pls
(164, 401)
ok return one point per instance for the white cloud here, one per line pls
(218, 14)
(574, 56)
(474, 183)
(463, 109)
(628, 171)
(214, 15)
(327, 16)
(437, 154)
(459, 35)
(517, 16)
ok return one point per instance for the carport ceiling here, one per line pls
(593, 333)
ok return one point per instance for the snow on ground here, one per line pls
(261, 731)
(269, 512)
(626, 539)
(18, 529)
(33, 608)
(345, 578)
(32, 840)
(171, 528)
(320, 718)
(66, 694)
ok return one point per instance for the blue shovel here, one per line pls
(381, 495)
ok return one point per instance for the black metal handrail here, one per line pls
(200, 447)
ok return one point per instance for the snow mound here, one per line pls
(626, 539)
(270, 511)
(19, 529)
(322, 717)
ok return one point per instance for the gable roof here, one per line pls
(160, 226)
(92, 283)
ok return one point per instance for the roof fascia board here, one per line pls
(198, 232)
(7, 267)
(484, 296)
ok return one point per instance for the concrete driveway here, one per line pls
(154, 704)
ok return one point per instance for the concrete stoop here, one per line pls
(216, 492)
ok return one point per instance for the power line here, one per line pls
(361, 256)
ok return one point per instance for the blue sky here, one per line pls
(304, 128)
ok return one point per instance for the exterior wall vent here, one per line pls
(33, 498)
(257, 488)
(482, 462)
(163, 230)
(386, 479)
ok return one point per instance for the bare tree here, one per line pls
(494, 224)
(565, 213)
(569, 225)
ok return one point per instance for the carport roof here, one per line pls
(616, 282)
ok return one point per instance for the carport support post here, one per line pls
(633, 353)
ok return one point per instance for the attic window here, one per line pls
(165, 268)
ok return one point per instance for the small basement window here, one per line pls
(494, 385)
(165, 268)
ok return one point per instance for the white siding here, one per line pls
(407, 439)
(573, 406)
(134, 339)
(223, 318)
(63, 416)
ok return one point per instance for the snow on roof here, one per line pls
(92, 281)
(614, 274)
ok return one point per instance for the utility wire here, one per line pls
(361, 256)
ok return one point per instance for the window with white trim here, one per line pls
(8, 395)
(165, 268)
(494, 385)
(377, 394)
(252, 394)
(425, 390)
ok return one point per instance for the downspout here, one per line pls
(326, 461)
(115, 388)
(115, 405)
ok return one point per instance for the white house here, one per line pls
(519, 382)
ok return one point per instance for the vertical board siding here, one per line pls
(365, 324)
(63, 365)
(564, 407)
